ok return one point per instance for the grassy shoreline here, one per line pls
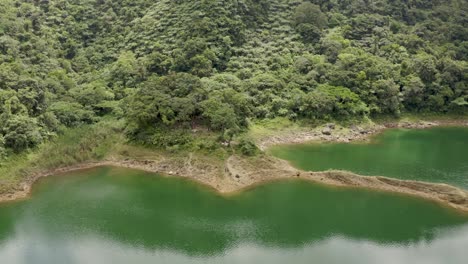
(105, 144)
(287, 132)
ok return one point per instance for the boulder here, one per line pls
(327, 131)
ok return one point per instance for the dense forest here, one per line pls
(168, 67)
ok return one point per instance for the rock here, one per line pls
(327, 131)
(426, 124)
(237, 176)
(343, 139)
(330, 125)
(405, 124)
(457, 199)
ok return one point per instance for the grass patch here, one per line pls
(268, 127)
(100, 141)
(74, 146)
(415, 117)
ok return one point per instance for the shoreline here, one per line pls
(237, 179)
(241, 173)
(356, 133)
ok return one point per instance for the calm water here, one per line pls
(109, 215)
(436, 155)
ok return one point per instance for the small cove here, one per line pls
(434, 155)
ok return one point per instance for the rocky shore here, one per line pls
(334, 133)
(237, 173)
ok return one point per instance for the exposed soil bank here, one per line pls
(239, 173)
(334, 133)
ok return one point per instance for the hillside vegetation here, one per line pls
(169, 69)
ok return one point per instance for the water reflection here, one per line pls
(110, 215)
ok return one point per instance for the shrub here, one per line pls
(247, 147)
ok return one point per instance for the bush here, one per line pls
(247, 147)
(2, 148)
(21, 133)
(175, 139)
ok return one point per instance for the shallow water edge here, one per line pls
(237, 180)
(240, 173)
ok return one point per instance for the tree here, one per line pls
(460, 105)
(3, 152)
(413, 91)
(345, 102)
(21, 132)
(168, 100)
(124, 72)
(308, 13)
(316, 105)
(72, 114)
(309, 21)
(424, 66)
(221, 115)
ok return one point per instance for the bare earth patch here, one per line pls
(238, 173)
(333, 133)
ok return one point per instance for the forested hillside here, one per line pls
(176, 65)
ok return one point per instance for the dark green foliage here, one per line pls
(183, 65)
(21, 132)
(247, 147)
(309, 21)
(169, 100)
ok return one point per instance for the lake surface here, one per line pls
(434, 155)
(110, 215)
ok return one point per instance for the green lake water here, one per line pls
(434, 155)
(110, 215)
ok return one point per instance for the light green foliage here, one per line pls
(210, 65)
(3, 152)
(413, 91)
(345, 102)
(72, 114)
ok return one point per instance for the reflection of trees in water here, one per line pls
(159, 213)
(7, 223)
